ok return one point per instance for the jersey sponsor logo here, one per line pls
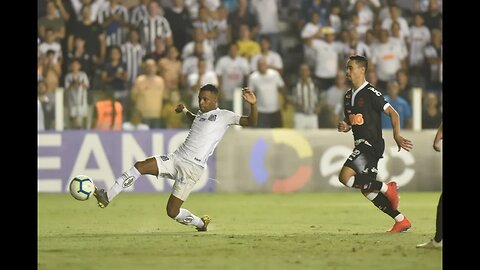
(375, 91)
(212, 117)
(356, 119)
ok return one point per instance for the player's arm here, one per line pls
(181, 108)
(395, 120)
(438, 137)
(344, 125)
(250, 120)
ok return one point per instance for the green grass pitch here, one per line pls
(248, 231)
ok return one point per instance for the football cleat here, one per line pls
(206, 220)
(401, 226)
(431, 244)
(392, 194)
(101, 196)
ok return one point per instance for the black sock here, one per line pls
(382, 202)
(367, 183)
(439, 229)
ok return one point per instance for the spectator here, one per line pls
(86, 59)
(222, 32)
(113, 17)
(267, 16)
(396, 17)
(305, 99)
(114, 76)
(94, 5)
(180, 23)
(170, 69)
(155, 25)
(433, 17)
(52, 21)
(400, 105)
(332, 99)
(273, 59)
(327, 59)
(147, 95)
(201, 77)
(170, 117)
(76, 86)
(266, 83)
(108, 112)
(387, 57)
(51, 45)
(418, 40)
(138, 13)
(232, 71)
(132, 55)
(93, 34)
(434, 57)
(404, 85)
(208, 25)
(199, 37)
(240, 16)
(247, 47)
(135, 122)
(431, 114)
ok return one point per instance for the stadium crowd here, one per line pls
(126, 64)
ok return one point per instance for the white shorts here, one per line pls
(185, 173)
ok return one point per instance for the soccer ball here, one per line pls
(81, 187)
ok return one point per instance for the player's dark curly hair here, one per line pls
(209, 87)
(360, 60)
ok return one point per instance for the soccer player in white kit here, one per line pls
(186, 164)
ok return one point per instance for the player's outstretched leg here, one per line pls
(184, 216)
(402, 224)
(127, 179)
(102, 198)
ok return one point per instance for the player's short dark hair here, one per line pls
(209, 87)
(360, 60)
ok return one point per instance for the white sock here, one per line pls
(384, 188)
(399, 218)
(125, 180)
(371, 195)
(187, 218)
(350, 182)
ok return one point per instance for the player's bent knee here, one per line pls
(147, 166)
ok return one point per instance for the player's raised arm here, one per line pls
(181, 108)
(250, 120)
(395, 120)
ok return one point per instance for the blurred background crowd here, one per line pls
(126, 64)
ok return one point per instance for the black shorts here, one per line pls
(363, 159)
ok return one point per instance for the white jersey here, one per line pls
(206, 132)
